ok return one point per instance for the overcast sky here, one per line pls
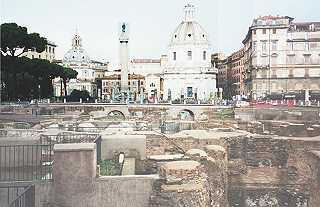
(151, 21)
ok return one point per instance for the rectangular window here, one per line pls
(306, 59)
(306, 46)
(264, 31)
(264, 61)
(290, 46)
(254, 32)
(264, 46)
(189, 92)
(273, 60)
(274, 44)
(53, 50)
(274, 31)
(49, 49)
(174, 56)
(290, 60)
(189, 55)
(204, 55)
(254, 45)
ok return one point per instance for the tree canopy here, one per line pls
(24, 78)
(76, 95)
(16, 38)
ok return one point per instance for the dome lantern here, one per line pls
(189, 11)
(189, 31)
(76, 42)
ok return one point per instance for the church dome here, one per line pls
(76, 54)
(189, 31)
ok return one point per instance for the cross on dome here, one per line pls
(189, 11)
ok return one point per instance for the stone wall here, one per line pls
(74, 174)
(182, 184)
(124, 191)
(76, 182)
(201, 181)
(278, 113)
(314, 162)
(133, 146)
(275, 170)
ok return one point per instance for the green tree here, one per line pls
(24, 78)
(15, 38)
(67, 74)
(76, 95)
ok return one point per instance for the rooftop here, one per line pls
(74, 147)
(118, 77)
(206, 134)
(145, 61)
(182, 165)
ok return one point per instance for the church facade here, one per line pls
(88, 71)
(188, 73)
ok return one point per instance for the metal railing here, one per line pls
(66, 137)
(34, 162)
(25, 199)
(26, 162)
(17, 195)
(177, 126)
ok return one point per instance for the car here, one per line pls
(242, 104)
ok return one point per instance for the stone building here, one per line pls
(88, 70)
(145, 66)
(189, 73)
(111, 86)
(47, 54)
(154, 87)
(236, 74)
(151, 69)
(281, 56)
(219, 60)
(231, 74)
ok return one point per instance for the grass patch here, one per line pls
(109, 168)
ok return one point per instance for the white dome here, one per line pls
(189, 46)
(76, 55)
(189, 32)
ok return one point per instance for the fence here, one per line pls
(17, 196)
(34, 162)
(26, 162)
(25, 199)
(174, 127)
(73, 138)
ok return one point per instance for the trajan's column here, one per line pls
(124, 58)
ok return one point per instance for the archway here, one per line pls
(116, 115)
(186, 115)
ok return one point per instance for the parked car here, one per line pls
(242, 104)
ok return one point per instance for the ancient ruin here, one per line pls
(159, 156)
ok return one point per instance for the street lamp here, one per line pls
(39, 87)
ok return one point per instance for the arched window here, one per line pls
(189, 55)
(174, 55)
(204, 55)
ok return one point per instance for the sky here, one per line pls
(151, 22)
